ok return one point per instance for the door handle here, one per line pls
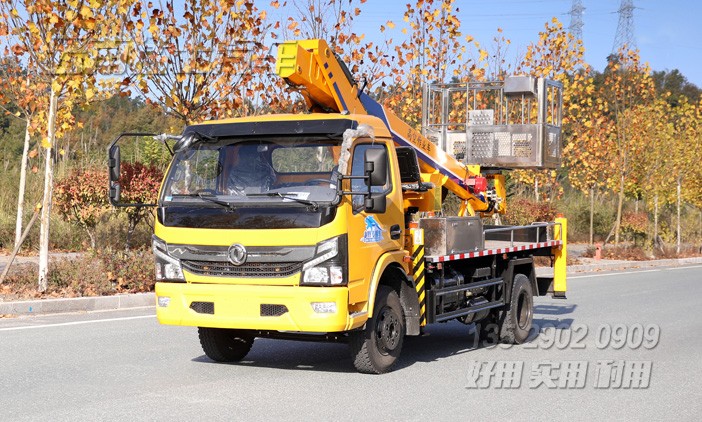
(395, 231)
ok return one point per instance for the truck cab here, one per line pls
(254, 230)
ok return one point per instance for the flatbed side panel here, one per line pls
(496, 251)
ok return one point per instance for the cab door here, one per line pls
(372, 234)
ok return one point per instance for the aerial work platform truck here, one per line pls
(331, 225)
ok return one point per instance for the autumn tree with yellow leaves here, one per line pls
(61, 42)
(627, 84)
(21, 96)
(198, 59)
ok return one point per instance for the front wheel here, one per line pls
(224, 345)
(375, 349)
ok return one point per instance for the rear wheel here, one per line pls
(224, 345)
(376, 348)
(513, 323)
(520, 312)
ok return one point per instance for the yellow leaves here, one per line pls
(275, 4)
(86, 12)
(45, 143)
(56, 86)
(390, 24)
(483, 55)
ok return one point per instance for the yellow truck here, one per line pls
(330, 226)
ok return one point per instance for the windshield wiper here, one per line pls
(214, 200)
(286, 195)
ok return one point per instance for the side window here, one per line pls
(357, 169)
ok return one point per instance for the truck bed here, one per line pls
(495, 247)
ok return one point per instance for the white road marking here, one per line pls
(636, 272)
(64, 324)
(684, 268)
(611, 274)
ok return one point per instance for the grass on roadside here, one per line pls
(92, 274)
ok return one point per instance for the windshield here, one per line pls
(277, 170)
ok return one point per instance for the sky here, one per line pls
(667, 32)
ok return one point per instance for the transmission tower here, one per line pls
(625, 29)
(576, 19)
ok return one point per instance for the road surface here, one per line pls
(122, 365)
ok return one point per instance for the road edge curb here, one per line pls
(78, 304)
(605, 266)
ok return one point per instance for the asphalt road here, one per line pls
(122, 365)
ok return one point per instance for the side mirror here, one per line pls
(184, 142)
(120, 183)
(376, 203)
(113, 162)
(376, 167)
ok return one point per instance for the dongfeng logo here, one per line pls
(237, 254)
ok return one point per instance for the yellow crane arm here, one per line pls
(327, 86)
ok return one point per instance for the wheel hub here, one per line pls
(387, 331)
(523, 311)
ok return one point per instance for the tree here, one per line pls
(140, 184)
(81, 198)
(61, 40)
(677, 85)
(201, 64)
(22, 95)
(432, 51)
(653, 174)
(627, 83)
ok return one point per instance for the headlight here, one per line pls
(329, 265)
(167, 268)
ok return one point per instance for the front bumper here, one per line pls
(239, 306)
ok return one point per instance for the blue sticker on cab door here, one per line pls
(373, 232)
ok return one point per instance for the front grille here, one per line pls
(203, 307)
(248, 269)
(273, 310)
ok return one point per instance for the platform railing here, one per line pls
(512, 229)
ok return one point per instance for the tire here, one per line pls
(375, 349)
(488, 329)
(224, 345)
(512, 324)
(516, 322)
